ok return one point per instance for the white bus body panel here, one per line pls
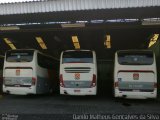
(84, 82)
(24, 78)
(23, 82)
(21, 79)
(42, 85)
(81, 86)
(135, 88)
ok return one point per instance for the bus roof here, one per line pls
(23, 49)
(76, 50)
(134, 50)
(35, 50)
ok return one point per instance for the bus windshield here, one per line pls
(77, 57)
(135, 58)
(19, 56)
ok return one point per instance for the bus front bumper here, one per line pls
(135, 94)
(78, 91)
(19, 90)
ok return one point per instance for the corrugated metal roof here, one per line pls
(16, 1)
(72, 5)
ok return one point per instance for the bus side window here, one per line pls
(41, 62)
(45, 62)
(48, 62)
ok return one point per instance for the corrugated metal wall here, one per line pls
(71, 5)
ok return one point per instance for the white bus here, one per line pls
(78, 72)
(28, 71)
(135, 74)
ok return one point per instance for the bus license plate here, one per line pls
(17, 85)
(135, 87)
(136, 90)
(77, 90)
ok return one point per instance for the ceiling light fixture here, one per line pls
(41, 42)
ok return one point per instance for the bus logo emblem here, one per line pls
(135, 76)
(77, 76)
(18, 72)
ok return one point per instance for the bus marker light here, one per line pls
(93, 84)
(116, 84)
(61, 81)
(33, 80)
(77, 90)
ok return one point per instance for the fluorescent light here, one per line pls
(80, 21)
(9, 28)
(12, 46)
(8, 42)
(76, 45)
(73, 25)
(75, 42)
(107, 42)
(41, 42)
(151, 21)
(122, 20)
(97, 21)
(153, 40)
(74, 39)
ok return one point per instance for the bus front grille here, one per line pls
(77, 69)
